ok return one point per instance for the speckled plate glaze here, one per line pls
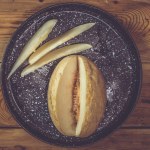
(113, 52)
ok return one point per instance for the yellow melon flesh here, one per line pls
(52, 44)
(83, 84)
(64, 98)
(77, 96)
(33, 43)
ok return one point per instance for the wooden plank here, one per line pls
(6, 119)
(135, 20)
(34, 5)
(110, 5)
(18, 139)
(139, 118)
(134, 15)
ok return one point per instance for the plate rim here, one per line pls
(124, 116)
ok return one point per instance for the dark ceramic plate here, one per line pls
(113, 52)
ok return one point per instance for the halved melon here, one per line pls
(76, 96)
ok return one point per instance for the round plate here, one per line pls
(113, 52)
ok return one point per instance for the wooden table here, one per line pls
(135, 16)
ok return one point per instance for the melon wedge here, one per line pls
(49, 46)
(54, 55)
(33, 43)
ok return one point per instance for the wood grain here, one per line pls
(134, 15)
(6, 119)
(135, 19)
(139, 118)
(18, 139)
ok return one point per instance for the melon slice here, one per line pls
(52, 44)
(33, 43)
(54, 55)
